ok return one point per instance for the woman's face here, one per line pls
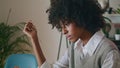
(72, 31)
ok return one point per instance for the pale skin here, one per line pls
(71, 31)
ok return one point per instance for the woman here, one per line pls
(81, 22)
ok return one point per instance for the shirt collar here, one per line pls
(77, 43)
(92, 44)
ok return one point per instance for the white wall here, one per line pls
(25, 10)
(35, 10)
(114, 3)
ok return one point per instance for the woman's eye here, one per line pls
(66, 24)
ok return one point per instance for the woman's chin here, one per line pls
(73, 41)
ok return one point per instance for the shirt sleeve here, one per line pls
(45, 65)
(112, 60)
(63, 62)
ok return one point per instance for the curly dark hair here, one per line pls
(85, 13)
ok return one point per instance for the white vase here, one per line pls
(117, 36)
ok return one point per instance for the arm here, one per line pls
(112, 60)
(32, 33)
(63, 62)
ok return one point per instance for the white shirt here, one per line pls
(87, 50)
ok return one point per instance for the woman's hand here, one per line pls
(30, 30)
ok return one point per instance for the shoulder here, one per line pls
(107, 48)
(107, 45)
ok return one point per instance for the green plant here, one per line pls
(12, 40)
(107, 27)
(117, 31)
(118, 10)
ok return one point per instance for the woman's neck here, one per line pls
(86, 37)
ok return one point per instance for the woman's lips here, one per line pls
(69, 37)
